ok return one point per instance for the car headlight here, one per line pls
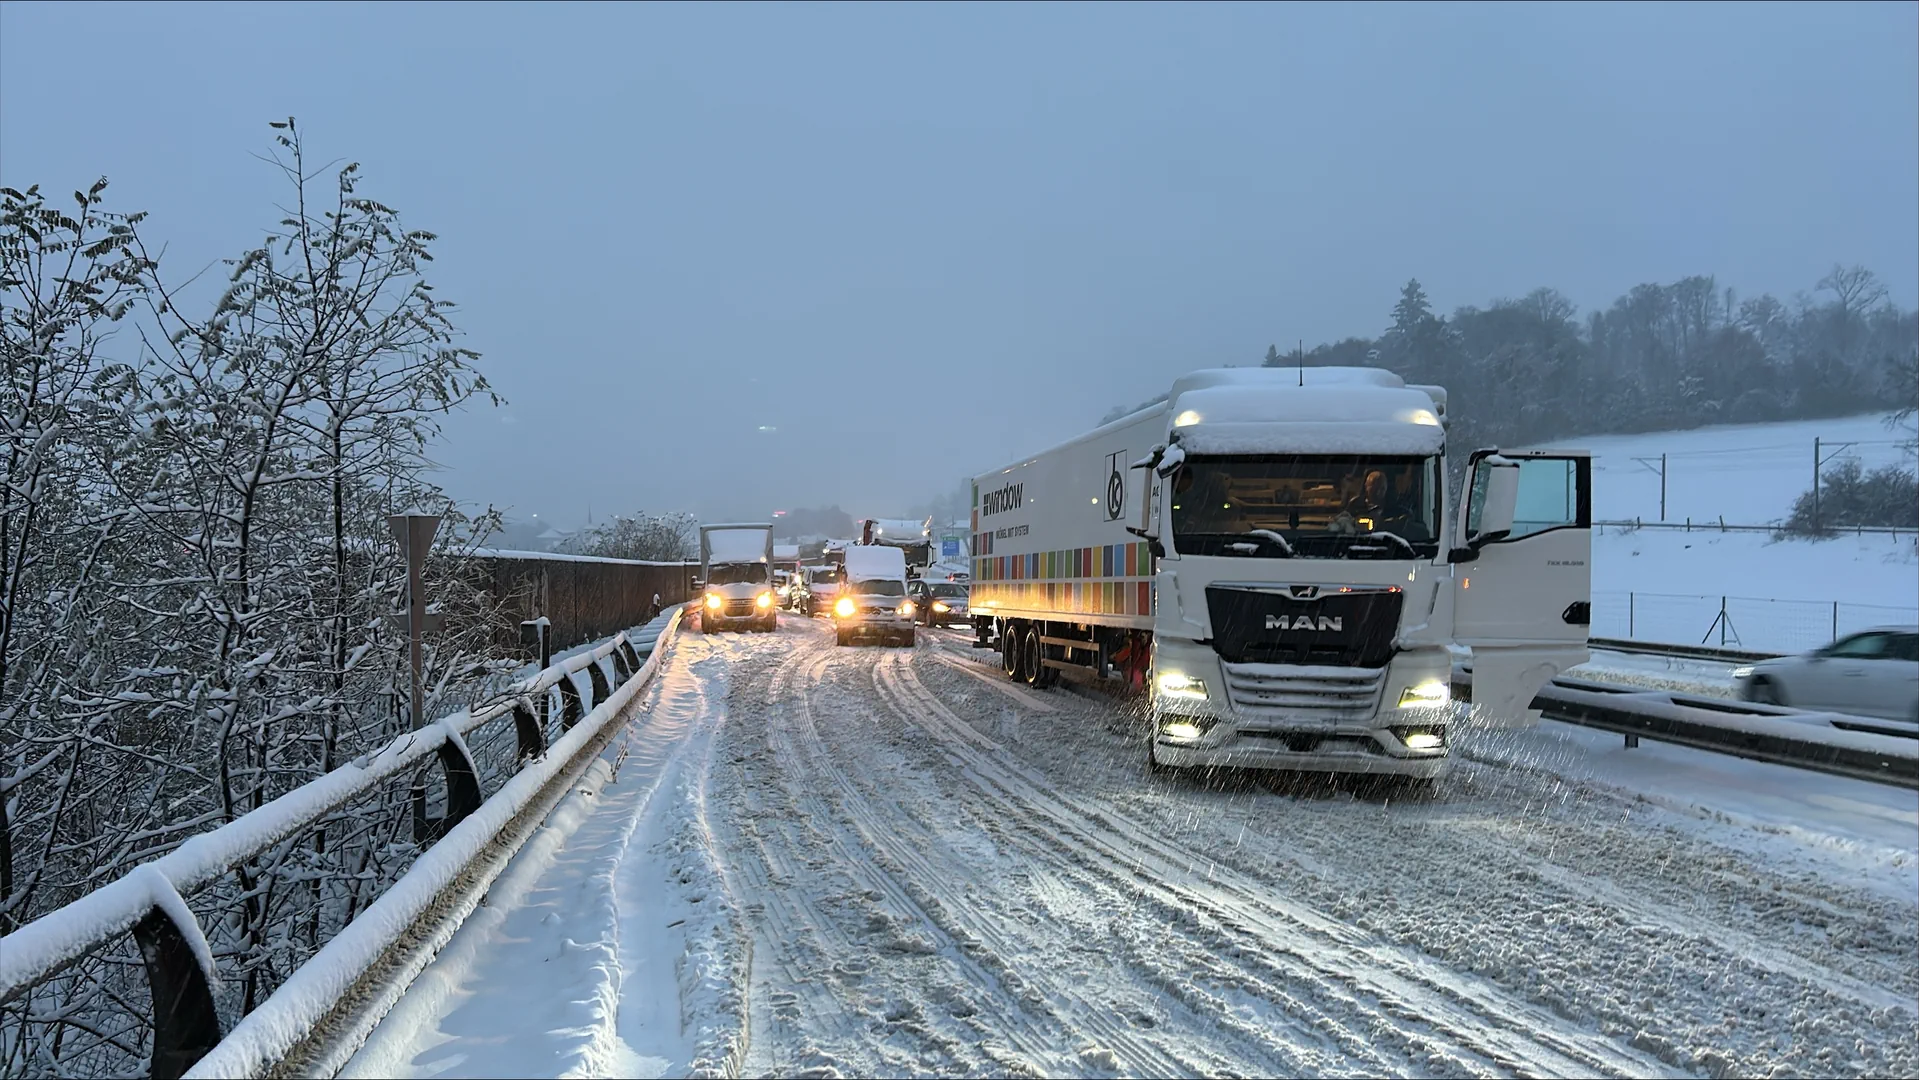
(941, 607)
(764, 600)
(845, 607)
(713, 601)
(907, 609)
(1744, 671)
(1425, 695)
(1173, 684)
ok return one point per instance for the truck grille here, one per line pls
(1333, 629)
(1285, 693)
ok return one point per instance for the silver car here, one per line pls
(1871, 673)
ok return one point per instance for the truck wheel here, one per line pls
(1029, 655)
(1009, 640)
(1153, 764)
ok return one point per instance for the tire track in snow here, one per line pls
(1480, 1020)
(1094, 1019)
(992, 1010)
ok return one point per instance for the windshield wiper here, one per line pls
(1268, 535)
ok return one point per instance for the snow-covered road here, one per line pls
(808, 860)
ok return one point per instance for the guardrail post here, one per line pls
(463, 795)
(1835, 620)
(633, 661)
(570, 711)
(601, 691)
(620, 671)
(1632, 605)
(185, 1024)
(532, 733)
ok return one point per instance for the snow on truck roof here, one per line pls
(1355, 416)
(875, 561)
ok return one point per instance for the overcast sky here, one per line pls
(921, 241)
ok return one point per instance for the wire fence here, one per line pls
(1747, 622)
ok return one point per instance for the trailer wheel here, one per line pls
(1032, 671)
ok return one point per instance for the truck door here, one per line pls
(1522, 575)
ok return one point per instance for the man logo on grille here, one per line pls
(1115, 486)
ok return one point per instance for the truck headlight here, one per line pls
(764, 600)
(1174, 684)
(941, 607)
(713, 601)
(1430, 693)
(907, 609)
(844, 608)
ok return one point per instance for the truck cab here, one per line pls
(736, 578)
(1311, 581)
(872, 600)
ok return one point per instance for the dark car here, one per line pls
(941, 603)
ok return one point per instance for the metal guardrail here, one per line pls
(1741, 729)
(1682, 652)
(150, 901)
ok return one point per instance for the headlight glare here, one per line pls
(764, 600)
(1174, 684)
(907, 609)
(844, 608)
(713, 601)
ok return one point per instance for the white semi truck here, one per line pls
(1269, 553)
(736, 576)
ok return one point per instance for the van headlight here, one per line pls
(1174, 684)
(713, 601)
(764, 600)
(941, 607)
(844, 607)
(1426, 695)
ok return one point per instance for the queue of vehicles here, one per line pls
(1268, 554)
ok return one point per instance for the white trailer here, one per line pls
(1268, 553)
(736, 578)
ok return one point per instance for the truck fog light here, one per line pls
(1174, 684)
(1425, 695)
(1425, 740)
(1743, 671)
(1182, 729)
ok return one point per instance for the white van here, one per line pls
(872, 600)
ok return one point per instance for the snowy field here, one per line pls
(1783, 596)
(801, 860)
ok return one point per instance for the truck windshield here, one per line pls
(879, 587)
(737, 574)
(1294, 506)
